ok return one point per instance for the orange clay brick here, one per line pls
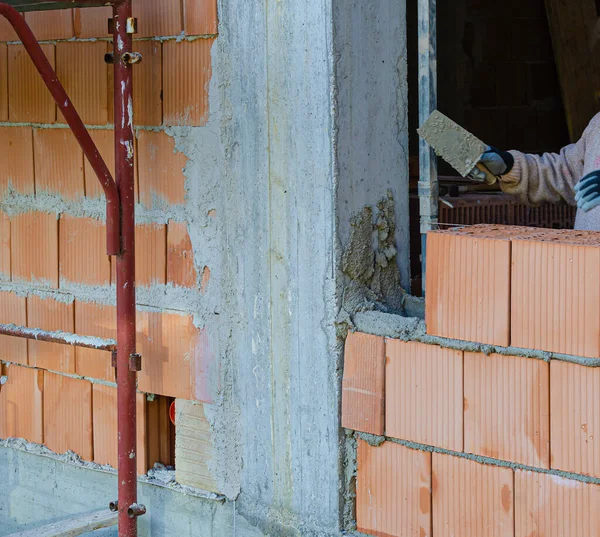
(507, 408)
(21, 403)
(187, 70)
(106, 431)
(574, 418)
(160, 169)
(424, 394)
(34, 248)
(180, 256)
(556, 293)
(363, 384)
(468, 282)
(51, 315)
(105, 142)
(95, 320)
(91, 22)
(58, 163)
(7, 33)
(200, 17)
(157, 17)
(49, 25)
(147, 89)
(5, 254)
(471, 499)
(13, 311)
(151, 254)
(175, 355)
(393, 490)
(81, 69)
(68, 415)
(3, 82)
(28, 97)
(551, 506)
(82, 246)
(17, 170)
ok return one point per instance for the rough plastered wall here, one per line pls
(280, 201)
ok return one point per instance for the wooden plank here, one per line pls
(73, 526)
(572, 24)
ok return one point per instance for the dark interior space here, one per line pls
(498, 78)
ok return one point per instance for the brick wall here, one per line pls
(485, 425)
(54, 273)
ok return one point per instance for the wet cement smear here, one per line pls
(457, 146)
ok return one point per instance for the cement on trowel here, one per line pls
(457, 146)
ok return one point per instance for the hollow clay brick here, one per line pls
(187, 71)
(95, 320)
(17, 170)
(468, 282)
(158, 17)
(160, 169)
(34, 248)
(180, 256)
(81, 69)
(106, 427)
(82, 246)
(51, 315)
(393, 491)
(363, 383)
(556, 293)
(507, 408)
(28, 97)
(551, 506)
(21, 403)
(574, 418)
(200, 17)
(51, 25)
(471, 499)
(424, 394)
(13, 311)
(58, 163)
(68, 415)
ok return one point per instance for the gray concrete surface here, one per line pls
(308, 126)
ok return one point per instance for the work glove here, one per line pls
(587, 191)
(492, 165)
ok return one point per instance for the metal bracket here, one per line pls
(132, 25)
(135, 510)
(135, 362)
(114, 506)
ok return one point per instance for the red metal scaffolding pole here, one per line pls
(120, 224)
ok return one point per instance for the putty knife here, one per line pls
(457, 146)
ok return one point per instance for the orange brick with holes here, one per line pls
(147, 89)
(507, 408)
(68, 415)
(51, 315)
(160, 169)
(106, 431)
(150, 254)
(200, 17)
(58, 163)
(28, 97)
(363, 384)
(424, 394)
(180, 256)
(34, 248)
(393, 490)
(176, 355)
(21, 403)
(51, 25)
(5, 252)
(82, 246)
(95, 320)
(187, 71)
(13, 311)
(17, 169)
(471, 499)
(3, 82)
(158, 17)
(91, 22)
(80, 67)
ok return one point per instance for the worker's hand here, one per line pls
(587, 191)
(492, 165)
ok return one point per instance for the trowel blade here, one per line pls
(457, 146)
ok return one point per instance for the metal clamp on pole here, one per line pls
(135, 510)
